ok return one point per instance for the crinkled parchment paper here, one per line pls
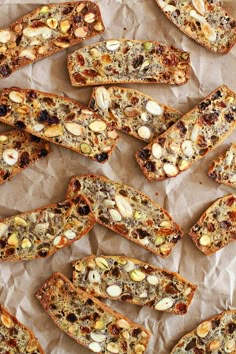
(185, 197)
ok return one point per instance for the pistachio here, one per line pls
(52, 23)
(65, 26)
(148, 46)
(98, 26)
(159, 240)
(164, 304)
(10, 156)
(183, 165)
(74, 128)
(94, 276)
(199, 6)
(26, 243)
(123, 324)
(114, 290)
(112, 45)
(85, 148)
(113, 347)
(154, 108)
(205, 240)
(124, 206)
(137, 275)
(144, 133)
(139, 348)
(13, 239)
(60, 241)
(194, 134)
(7, 321)
(144, 116)
(187, 148)
(130, 111)
(95, 347)
(80, 7)
(70, 234)
(81, 32)
(98, 337)
(19, 221)
(17, 96)
(5, 36)
(152, 279)
(214, 345)
(99, 325)
(3, 138)
(129, 266)
(44, 10)
(43, 31)
(90, 17)
(170, 170)
(157, 151)
(203, 329)
(53, 131)
(209, 32)
(230, 346)
(102, 98)
(115, 215)
(102, 263)
(137, 215)
(3, 228)
(121, 260)
(98, 126)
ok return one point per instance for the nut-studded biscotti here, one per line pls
(60, 120)
(215, 335)
(133, 112)
(128, 61)
(216, 228)
(191, 138)
(203, 20)
(131, 280)
(128, 212)
(42, 232)
(223, 169)
(15, 337)
(17, 151)
(90, 322)
(45, 31)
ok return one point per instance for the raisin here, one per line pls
(42, 153)
(214, 139)
(232, 215)
(134, 100)
(2, 244)
(210, 227)
(180, 125)
(79, 78)
(212, 175)
(182, 308)
(2, 57)
(5, 70)
(53, 307)
(31, 95)
(13, 331)
(24, 159)
(10, 251)
(138, 61)
(210, 118)
(191, 344)
(89, 302)
(6, 175)
(101, 157)
(202, 106)
(127, 297)
(203, 152)
(230, 201)
(18, 39)
(196, 228)
(20, 125)
(126, 129)
(231, 327)
(90, 72)
(171, 288)
(92, 103)
(176, 239)
(104, 220)
(85, 330)
(78, 18)
(229, 117)
(71, 317)
(43, 116)
(53, 120)
(136, 332)
(160, 49)
(43, 253)
(123, 192)
(83, 210)
(67, 10)
(116, 272)
(124, 346)
(12, 342)
(80, 59)
(217, 95)
(142, 233)
(76, 186)
(3, 110)
(215, 323)
(17, 145)
(114, 330)
(150, 166)
(225, 224)
(198, 351)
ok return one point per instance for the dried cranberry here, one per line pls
(150, 166)
(180, 125)
(134, 100)
(85, 330)
(6, 175)
(24, 159)
(229, 117)
(203, 152)
(203, 105)
(182, 308)
(83, 210)
(43, 116)
(124, 346)
(20, 125)
(31, 95)
(42, 153)
(80, 59)
(5, 70)
(225, 224)
(67, 10)
(215, 323)
(142, 233)
(210, 118)
(3, 110)
(35, 139)
(230, 201)
(101, 157)
(71, 317)
(79, 78)
(231, 327)
(138, 61)
(13, 331)
(171, 288)
(90, 72)
(191, 344)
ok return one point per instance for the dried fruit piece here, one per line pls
(133, 281)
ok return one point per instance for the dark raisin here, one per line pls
(203, 152)
(180, 125)
(198, 351)
(191, 344)
(101, 157)
(12, 342)
(176, 239)
(35, 139)
(212, 175)
(43, 253)
(77, 200)
(5, 70)
(71, 317)
(214, 139)
(43, 116)
(231, 327)
(2, 244)
(20, 125)
(136, 332)
(13, 331)
(127, 297)
(31, 95)
(67, 10)
(6, 175)
(2, 57)
(215, 323)
(92, 103)
(78, 18)
(134, 100)
(18, 39)
(90, 72)
(116, 272)
(85, 330)
(17, 145)
(83, 210)
(225, 224)
(89, 302)
(196, 228)
(229, 117)
(171, 288)
(230, 201)
(210, 118)
(160, 49)
(53, 307)
(114, 330)
(24, 159)
(53, 120)
(126, 129)
(123, 192)
(76, 186)
(42, 153)
(216, 95)
(138, 61)
(10, 251)
(210, 227)
(124, 346)
(142, 233)
(150, 166)
(3, 110)
(203, 105)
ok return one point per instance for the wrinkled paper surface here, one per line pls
(185, 197)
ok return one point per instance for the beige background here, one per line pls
(185, 197)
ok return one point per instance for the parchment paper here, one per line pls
(185, 197)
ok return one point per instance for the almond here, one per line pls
(199, 6)
(164, 304)
(81, 32)
(203, 329)
(144, 133)
(98, 126)
(154, 108)
(114, 290)
(102, 98)
(74, 128)
(113, 45)
(98, 337)
(10, 156)
(17, 96)
(124, 206)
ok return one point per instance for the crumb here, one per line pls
(124, 28)
(200, 182)
(157, 193)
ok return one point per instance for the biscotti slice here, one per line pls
(90, 322)
(204, 21)
(215, 335)
(128, 212)
(131, 280)
(17, 151)
(133, 112)
(216, 228)
(223, 169)
(128, 61)
(15, 337)
(42, 232)
(59, 120)
(45, 31)
(191, 138)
